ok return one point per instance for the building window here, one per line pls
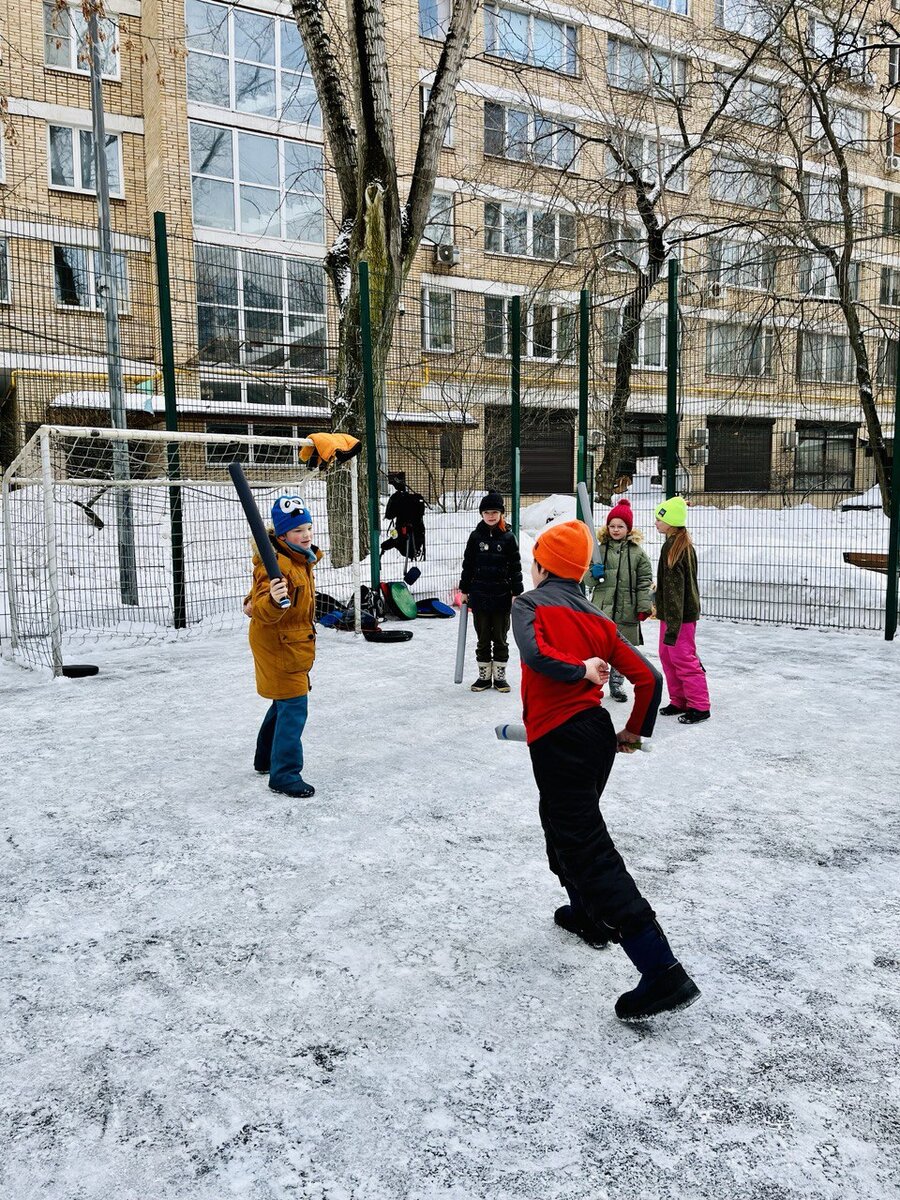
(890, 287)
(224, 394)
(526, 38)
(4, 272)
(740, 455)
(887, 361)
(650, 349)
(72, 160)
(78, 278)
(256, 309)
(449, 132)
(524, 135)
(748, 264)
(548, 330)
(655, 162)
(848, 125)
(743, 350)
(451, 448)
(893, 66)
(66, 43)
(748, 100)
(749, 18)
(626, 246)
(220, 454)
(825, 357)
(817, 278)
(738, 182)
(843, 45)
(434, 18)
(822, 198)
(640, 69)
(248, 62)
(679, 7)
(439, 227)
(437, 319)
(825, 457)
(529, 232)
(891, 213)
(259, 185)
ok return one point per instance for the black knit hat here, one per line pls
(492, 502)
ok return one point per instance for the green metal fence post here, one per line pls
(583, 351)
(890, 616)
(173, 458)
(672, 380)
(365, 331)
(515, 424)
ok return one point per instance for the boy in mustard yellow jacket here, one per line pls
(283, 641)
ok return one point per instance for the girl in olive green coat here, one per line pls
(623, 594)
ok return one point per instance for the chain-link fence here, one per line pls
(492, 386)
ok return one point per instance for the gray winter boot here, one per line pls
(500, 684)
(483, 682)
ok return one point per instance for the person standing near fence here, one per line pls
(283, 641)
(623, 592)
(491, 576)
(678, 610)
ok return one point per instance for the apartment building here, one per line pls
(212, 118)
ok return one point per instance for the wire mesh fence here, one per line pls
(490, 386)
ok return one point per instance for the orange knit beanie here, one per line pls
(564, 550)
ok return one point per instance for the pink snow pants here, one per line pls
(685, 677)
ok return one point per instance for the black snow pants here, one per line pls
(493, 631)
(571, 766)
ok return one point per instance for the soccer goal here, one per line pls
(114, 538)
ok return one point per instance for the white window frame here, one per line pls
(724, 168)
(678, 8)
(428, 340)
(92, 268)
(622, 233)
(890, 287)
(77, 30)
(646, 80)
(894, 65)
(653, 155)
(254, 351)
(817, 280)
(116, 190)
(827, 202)
(229, 62)
(436, 28)
(562, 347)
(747, 18)
(5, 281)
(748, 265)
(748, 101)
(827, 42)
(732, 365)
(450, 131)
(505, 208)
(438, 232)
(848, 125)
(555, 136)
(493, 42)
(280, 215)
(650, 351)
(823, 364)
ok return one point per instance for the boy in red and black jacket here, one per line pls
(565, 645)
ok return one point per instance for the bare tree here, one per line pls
(348, 58)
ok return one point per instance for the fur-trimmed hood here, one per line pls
(634, 536)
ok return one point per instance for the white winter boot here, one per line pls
(500, 684)
(483, 682)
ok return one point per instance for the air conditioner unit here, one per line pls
(446, 255)
(790, 440)
(892, 162)
(594, 437)
(716, 292)
(698, 437)
(699, 456)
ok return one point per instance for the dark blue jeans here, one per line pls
(279, 748)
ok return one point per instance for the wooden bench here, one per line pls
(868, 562)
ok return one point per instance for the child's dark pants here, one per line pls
(278, 746)
(493, 630)
(571, 765)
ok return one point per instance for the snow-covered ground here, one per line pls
(210, 991)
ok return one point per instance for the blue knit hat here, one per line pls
(289, 512)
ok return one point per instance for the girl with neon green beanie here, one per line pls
(678, 610)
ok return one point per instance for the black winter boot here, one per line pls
(693, 716)
(664, 985)
(618, 694)
(671, 710)
(568, 918)
(483, 683)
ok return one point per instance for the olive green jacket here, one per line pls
(624, 590)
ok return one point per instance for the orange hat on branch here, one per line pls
(565, 549)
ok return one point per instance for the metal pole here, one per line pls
(173, 458)
(11, 583)
(354, 520)
(50, 553)
(672, 381)
(890, 616)
(515, 424)
(365, 331)
(583, 351)
(109, 286)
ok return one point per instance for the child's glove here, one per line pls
(598, 570)
(643, 616)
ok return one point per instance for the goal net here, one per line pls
(113, 538)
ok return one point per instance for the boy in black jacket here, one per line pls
(566, 644)
(491, 576)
